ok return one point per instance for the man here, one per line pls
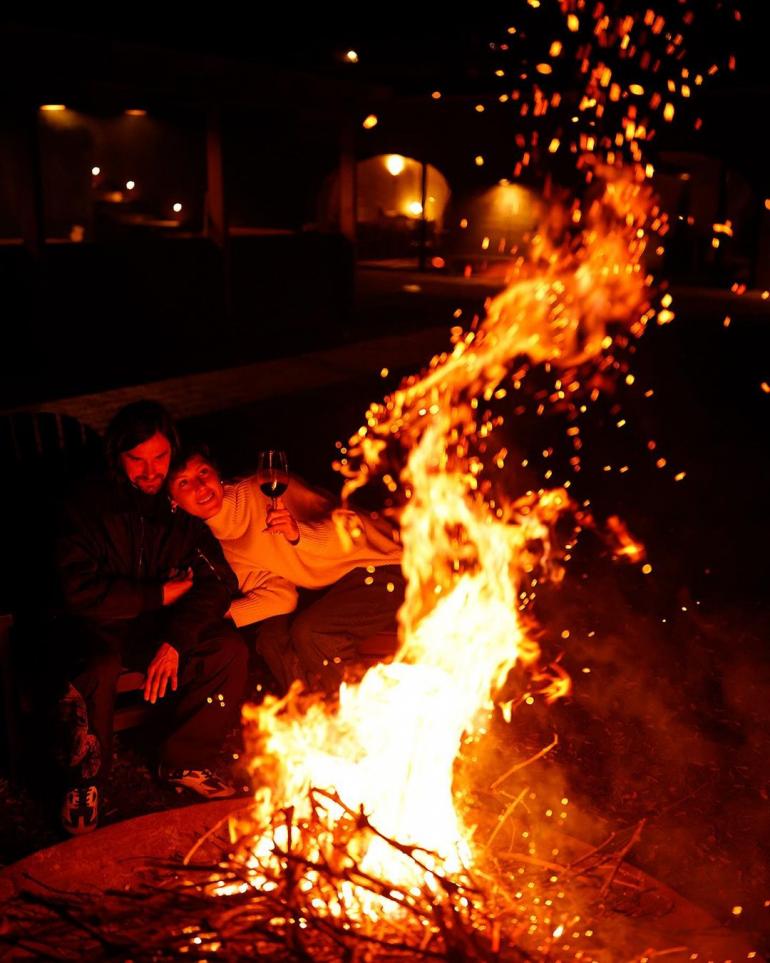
(357, 581)
(146, 588)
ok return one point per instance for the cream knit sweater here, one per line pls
(268, 567)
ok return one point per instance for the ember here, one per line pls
(356, 819)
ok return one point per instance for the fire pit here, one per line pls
(126, 891)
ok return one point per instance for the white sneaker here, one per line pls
(201, 781)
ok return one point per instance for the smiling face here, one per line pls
(146, 465)
(196, 488)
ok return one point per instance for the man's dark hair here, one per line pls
(134, 424)
(183, 454)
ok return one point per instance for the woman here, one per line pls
(353, 571)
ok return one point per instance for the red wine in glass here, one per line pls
(273, 474)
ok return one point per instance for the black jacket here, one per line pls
(117, 546)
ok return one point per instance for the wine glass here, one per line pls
(273, 474)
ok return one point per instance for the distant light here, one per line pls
(767, 204)
(53, 107)
(436, 95)
(414, 207)
(352, 57)
(478, 160)
(96, 171)
(395, 164)
(130, 185)
(480, 108)
(136, 112)
(371, 121)
(438, 262)
(177, 208)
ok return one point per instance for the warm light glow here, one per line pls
(52, 108)
(395, 164)
(370, 121)
(177, 208)
(136, 112)
(414, 208)
(352, 57)
(130, 185)
(96, 171)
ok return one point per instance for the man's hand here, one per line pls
(280, 521)
(179, 583)
(163, 669)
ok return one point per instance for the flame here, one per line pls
(387, 750)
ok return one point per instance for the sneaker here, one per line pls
(80, 810)
(201, 781)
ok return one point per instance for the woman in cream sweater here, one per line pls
(352, 570)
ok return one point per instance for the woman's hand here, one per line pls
(280, 521)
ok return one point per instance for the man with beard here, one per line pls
(145, 588)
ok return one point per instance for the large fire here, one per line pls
(387, 750)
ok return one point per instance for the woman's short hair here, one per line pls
(184, 453)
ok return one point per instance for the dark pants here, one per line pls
(318, 642)
(192, 721)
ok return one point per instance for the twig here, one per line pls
(503, 819)
(209, 833)
(527, 762)
(622, 855)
